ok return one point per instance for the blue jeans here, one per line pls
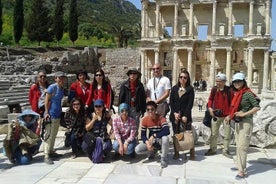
(75, 143)
(130, 148)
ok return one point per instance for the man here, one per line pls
(37, 93)
(158, 90)
(133, 93)
(157, 138)
(219, 107)
(53, 110)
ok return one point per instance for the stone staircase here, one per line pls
(12, 96)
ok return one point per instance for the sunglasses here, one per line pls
(150, 109)
(42, 76)
(98, 75)
(98, 106)
(156, 68)
(183, 77)
(132, 73)
(27, 116)
(76, 104)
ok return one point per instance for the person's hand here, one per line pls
(227, 119)
(177, 117)
(239, 114)
(94, 116)
(47, 116)
(125, 147)
(149, 145)
(211, 111)
(121, 150)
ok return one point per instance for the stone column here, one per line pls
(212, 67)
(266, 65)
(191, 25)
(143, 20)
(267, 18)
(175, 66)
(214, 18)
(230, 18)
(250, 67)
(175, 20)
(228, 64)
(251, 6)
(143, 78)
(156, 56)
(190, 58)
(157, 20)
(272, 77)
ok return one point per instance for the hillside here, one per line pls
(104, 17)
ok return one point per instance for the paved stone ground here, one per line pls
(261, 168)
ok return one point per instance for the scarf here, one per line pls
(132, 86)
(235, 103)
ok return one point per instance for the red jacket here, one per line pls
(77, 91)
(105, 95)
(34, 95)
(221, 99)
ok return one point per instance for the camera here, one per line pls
(156, 144)
(237, 119)
(218, 113)
(215, 118)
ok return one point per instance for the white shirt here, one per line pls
(158, 87)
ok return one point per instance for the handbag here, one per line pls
(207, 119)
(184, 141)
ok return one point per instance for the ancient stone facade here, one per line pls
(236, 37)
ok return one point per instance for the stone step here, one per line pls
(17, 100)
(8, 94)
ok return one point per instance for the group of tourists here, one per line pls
(91, 126)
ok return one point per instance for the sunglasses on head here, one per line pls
(182, 77)
(98, 75)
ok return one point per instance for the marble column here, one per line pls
(273, 70)
(175, 66)
(191, 25)
(157, 20)
(230, 27)
(190, 58)
(267, 18)
(251, 6)
(266, 66)
(212, 67)
(250, 67)
(175, 32)
(228, 64)
(156, 56)
(214, 18)
(143, 78)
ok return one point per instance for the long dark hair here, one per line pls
(188, 83)
(95, 83)
(72, 111)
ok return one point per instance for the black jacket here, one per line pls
(184, 104)
(140, 100)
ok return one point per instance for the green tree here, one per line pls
(73, 21)
(1, 21)
(18, 20)
(38, 24)
(58, 20)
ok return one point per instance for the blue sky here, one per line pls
(137, 3)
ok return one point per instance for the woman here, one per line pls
(37, 93)
(100, 89)
(75, 118)
(243, 105)
(181, 103)
(80, 88)
(96, 142)
(22, 141)
(124, 130)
